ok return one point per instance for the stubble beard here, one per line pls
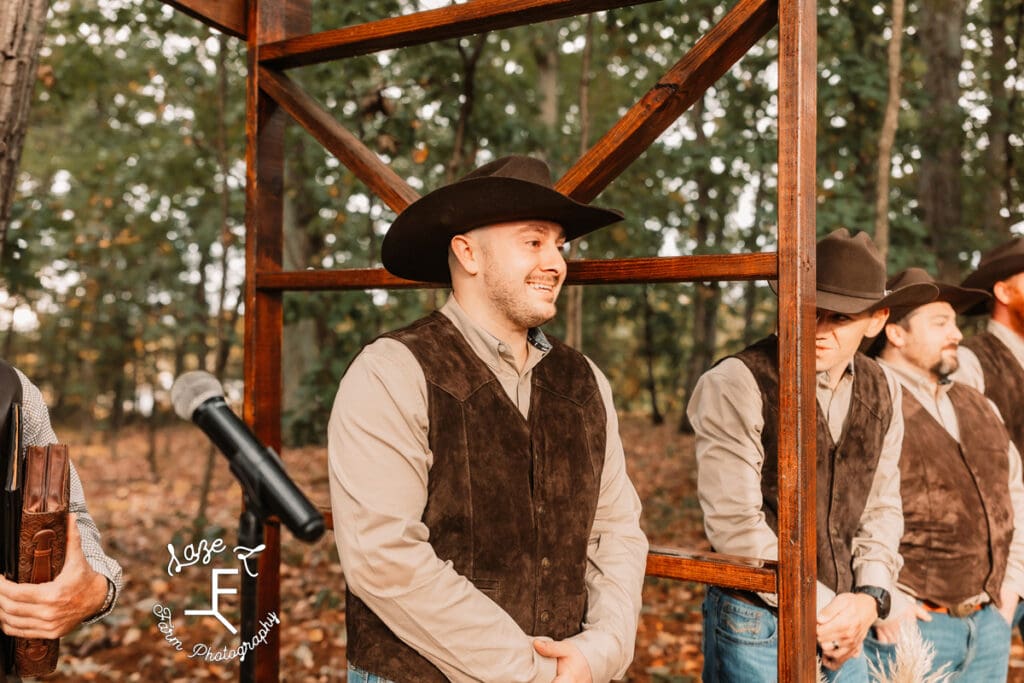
(514, 306)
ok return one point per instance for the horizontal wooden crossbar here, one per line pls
(227, 16)
(582, 272)
(425, 27)
(731, 571)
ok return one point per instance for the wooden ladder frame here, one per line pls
(278, 34)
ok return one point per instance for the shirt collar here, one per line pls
(922, 381)
(1012, 340)
(848, 375)
(491, 350)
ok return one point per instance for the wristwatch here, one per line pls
(883, 602)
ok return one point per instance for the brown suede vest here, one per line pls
(510, 501)
(956, 503)
(1004, 382)
(845, 470)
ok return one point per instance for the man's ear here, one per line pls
(878, 319)
(465, 252)
(1001, 291)
(896, 335)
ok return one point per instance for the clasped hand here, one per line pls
(52, 609)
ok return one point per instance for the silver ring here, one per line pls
(835, 644)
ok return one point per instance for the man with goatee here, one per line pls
(963, 499)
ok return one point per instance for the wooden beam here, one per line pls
(350, 151)
(746, 23)
(227, 16)
(455, 21)
(718, 569)
(797, 399)
(706, 268)
(265, 124)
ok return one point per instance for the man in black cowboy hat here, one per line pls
(484, 519)
(734, 412)
(963, 498)
(993, 361)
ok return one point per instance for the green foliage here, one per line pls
(119, 228)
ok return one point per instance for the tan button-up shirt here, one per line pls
(940, 406)
(379, 463)
(726, 413)
(970, 372)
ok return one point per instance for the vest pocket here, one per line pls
(489, 587)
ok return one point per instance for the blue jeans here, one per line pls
(356, 675)
(741, 644)
(975, 648)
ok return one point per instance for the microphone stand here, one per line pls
(250, 535)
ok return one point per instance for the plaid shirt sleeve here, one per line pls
(37, 431)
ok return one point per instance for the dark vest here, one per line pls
(958, 518)
(845, 470)
(1004, 381)
(510, 501)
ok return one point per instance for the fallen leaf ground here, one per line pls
(140, 515)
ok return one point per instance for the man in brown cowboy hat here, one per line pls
(734, 412)
(483, 516)
(963, 498)
(993, 362)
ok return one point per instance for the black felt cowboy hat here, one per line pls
(851, 277)
(1001, 263)
(511, 188)
(960, 298)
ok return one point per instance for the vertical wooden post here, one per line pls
(267, 20)
(797, 410)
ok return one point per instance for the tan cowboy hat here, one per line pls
(851, 277)
(507, 189)
(960, 298)
(999, 264)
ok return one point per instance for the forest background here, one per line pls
(122, 257)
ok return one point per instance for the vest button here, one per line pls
(540, 508)
(545, 616)
(545, 562)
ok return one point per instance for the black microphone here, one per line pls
(199, 397)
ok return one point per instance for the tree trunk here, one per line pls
(888, 132)
(706, 296)
(996, 200)
(21, 34)
(225, 317)
(652, 386)
(574, 294)
(470, 60)
(750, 295)
(1013, 188)
(942, 135)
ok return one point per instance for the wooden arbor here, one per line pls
(278, 37)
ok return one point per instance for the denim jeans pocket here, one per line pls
(746, 624)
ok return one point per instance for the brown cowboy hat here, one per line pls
(851, 277)
(998, 264)
(511, 188)
(960, 298)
